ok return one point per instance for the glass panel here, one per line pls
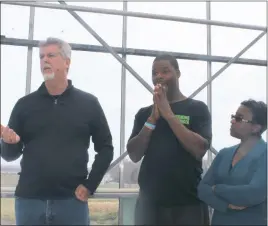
(167, 35)
(37, 77)
(253, 13)
(229, 41)
(236, 84)
(71, 30)
(13, 84)
(15, 26)
(180, 9)
(193, 76)
(103, 211)
(98, 74)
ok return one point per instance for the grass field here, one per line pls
(102, 212)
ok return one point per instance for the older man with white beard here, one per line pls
(51, 128)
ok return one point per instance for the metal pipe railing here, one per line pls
(138, 52)
(137, 14)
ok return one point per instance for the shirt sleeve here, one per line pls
(138, 125)
(102, 140)
(11, 152)
(251, 194)
(205, 192)
(201, 123)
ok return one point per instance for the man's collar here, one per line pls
(43, 89)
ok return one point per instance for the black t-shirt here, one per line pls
(169, 174)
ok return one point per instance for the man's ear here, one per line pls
(178, 73)
(256, 128)
(68, 62)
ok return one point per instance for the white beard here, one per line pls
(49, 76)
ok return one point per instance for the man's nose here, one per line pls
(45, 59)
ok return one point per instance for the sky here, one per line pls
(100, 73)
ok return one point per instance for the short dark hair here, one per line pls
(259, 112)
(172, 60)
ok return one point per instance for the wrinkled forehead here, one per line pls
(49, 49)
(244, 112)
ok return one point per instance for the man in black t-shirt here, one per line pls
(172, 135)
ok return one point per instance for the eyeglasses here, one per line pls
(240, 119)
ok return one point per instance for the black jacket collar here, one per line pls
(43, 89)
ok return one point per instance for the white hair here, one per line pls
(65, 48)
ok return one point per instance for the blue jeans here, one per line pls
(51, 212)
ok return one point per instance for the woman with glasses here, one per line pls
(235, 185)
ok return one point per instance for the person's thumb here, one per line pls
(17, 138)
(2, 129)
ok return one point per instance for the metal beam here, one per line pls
(123, 98)
(228, 64)
(30, 52)
(118, 58)
(209, 70)
(109, 194)
(108, 48)
(137, 14)
(123, 115)
(123, 62)
(267, 66)
(213, 150)
(118, 160)
(138, 52)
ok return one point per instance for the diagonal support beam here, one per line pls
(96, 36)
(123, 62)
(125, 154)
(228, 64)
(139, 78)
(213, 150)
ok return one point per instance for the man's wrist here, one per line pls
(89, 187)
(149, 125)
(151, 120)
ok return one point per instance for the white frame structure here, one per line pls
(124, 51)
